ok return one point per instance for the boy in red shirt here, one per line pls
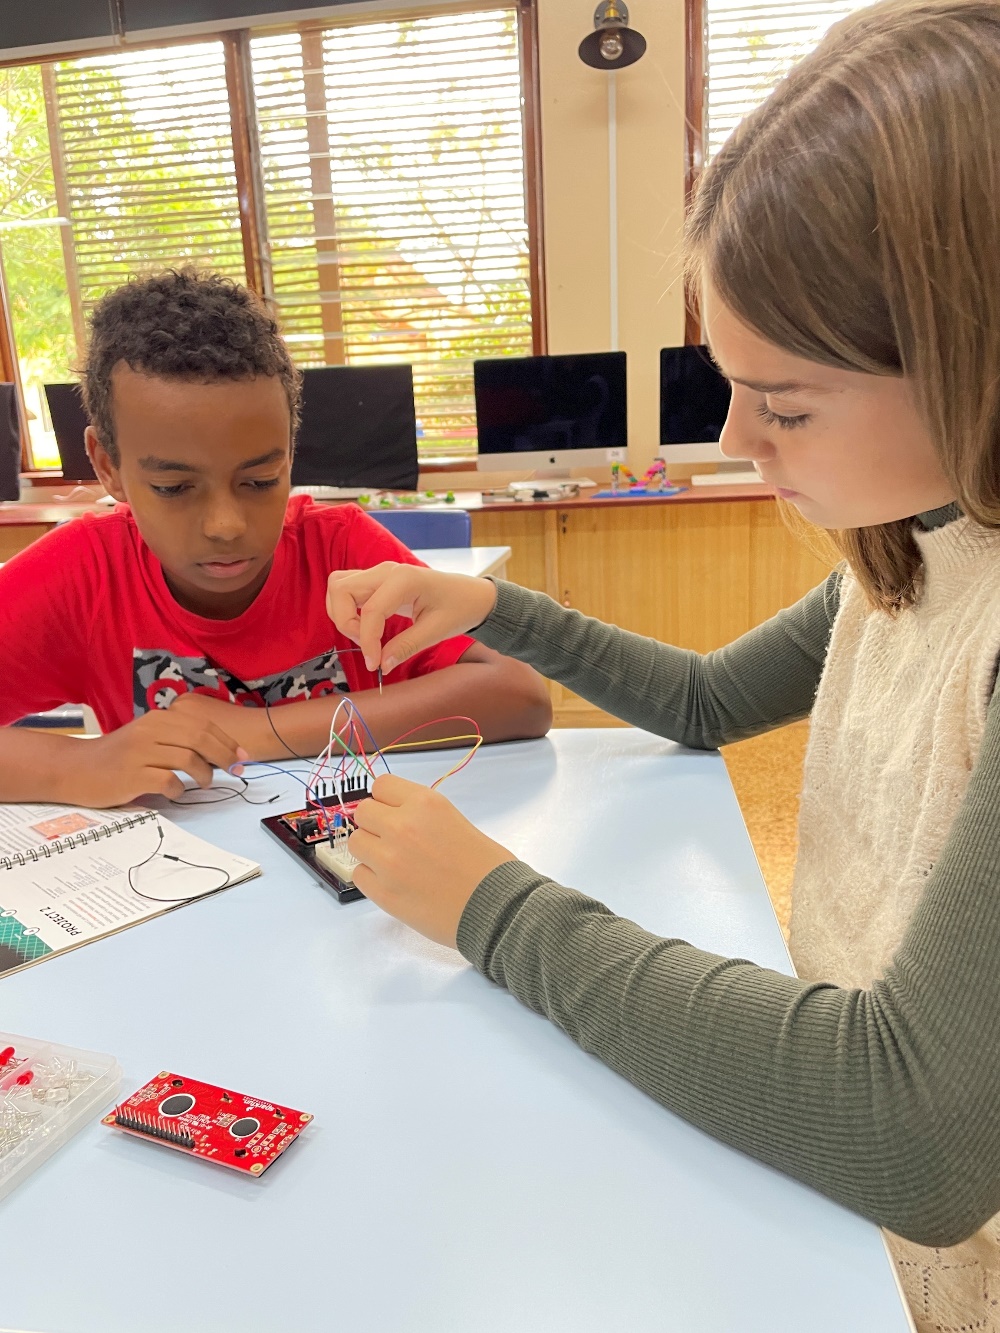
(201, 598)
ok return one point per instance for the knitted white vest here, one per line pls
(895, 732)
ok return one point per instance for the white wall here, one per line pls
(650, 196)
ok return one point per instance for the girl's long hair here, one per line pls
(854, 219)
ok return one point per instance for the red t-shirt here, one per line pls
(86, 617)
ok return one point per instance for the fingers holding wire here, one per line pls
(359, 604)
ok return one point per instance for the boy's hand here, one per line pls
(420, 859)
(246, 727)
(140, 758)
(360, 601)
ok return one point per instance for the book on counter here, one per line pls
(70, 875)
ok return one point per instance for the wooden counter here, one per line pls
(588, 500)
(694, 572)
(16, 515)
(22, 524)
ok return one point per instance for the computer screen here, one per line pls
(69, 421)
(358, 428)
(538, 404)
(694, 396)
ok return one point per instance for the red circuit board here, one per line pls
(313, 825)
(244, 1133)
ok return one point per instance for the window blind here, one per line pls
(142, 151)
(394, 196)
(750, 46)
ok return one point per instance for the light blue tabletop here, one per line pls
(477, 561)
(469, 1168)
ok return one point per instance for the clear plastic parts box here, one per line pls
(47, 1094)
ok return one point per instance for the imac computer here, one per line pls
(358, 431)
(551, 413)
(694, 403)
(69, 421)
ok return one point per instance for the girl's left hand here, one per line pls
(420, 859)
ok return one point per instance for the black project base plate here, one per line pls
(344, 893)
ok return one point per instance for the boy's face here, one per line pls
(206, 471)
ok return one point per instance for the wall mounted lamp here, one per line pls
(612, 44)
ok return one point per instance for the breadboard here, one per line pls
(337, 859)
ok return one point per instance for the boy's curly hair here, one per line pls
(182, 324)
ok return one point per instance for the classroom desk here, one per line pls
(469, 1168)
(477, 561)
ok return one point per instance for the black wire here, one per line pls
(195, 865)
(281, 739)
(267, 710)
(231, 795)
(225, 793)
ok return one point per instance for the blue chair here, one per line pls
(427, 529)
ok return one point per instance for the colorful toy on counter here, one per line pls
(404, 499)
(654, 481)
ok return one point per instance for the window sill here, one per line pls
(49, 476)
(446, 463)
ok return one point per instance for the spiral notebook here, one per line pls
(69, 876)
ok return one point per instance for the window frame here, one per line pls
(695, 107)
(249, 173)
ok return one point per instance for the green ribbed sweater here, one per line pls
(887, 1100)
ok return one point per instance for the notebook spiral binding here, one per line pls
(50, 849)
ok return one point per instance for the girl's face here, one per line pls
(848, 450)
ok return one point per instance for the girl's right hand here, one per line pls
(360, 601)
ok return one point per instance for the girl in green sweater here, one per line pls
(845, 245)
